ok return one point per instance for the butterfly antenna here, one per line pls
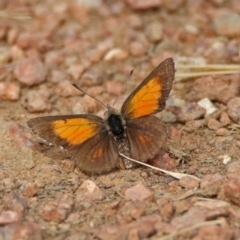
(89, 95)
(124, 86)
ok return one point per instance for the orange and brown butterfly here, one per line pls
(93, 142)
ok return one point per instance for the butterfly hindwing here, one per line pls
(151, 95)
(146, 135)
(85, 138)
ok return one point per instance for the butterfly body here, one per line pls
(93, 142)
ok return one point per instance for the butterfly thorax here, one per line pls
(114, 122)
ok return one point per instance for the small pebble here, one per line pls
(29, 190)
(30, 71)
(227, 24)
(115, 54)
(224, 119)
(154, 31)
(222, 132)
(138, 193)
(191, 112)
(37, 102)
(207, 105)
(213, 124)
(9, 91)
(143, 4)
(189, 182)
(89, 192)
(114, 87)
(232, 190)
(234, 109)
(137, 49)
(8, 217)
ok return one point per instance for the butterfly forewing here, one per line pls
(83, 136)
(151, 95)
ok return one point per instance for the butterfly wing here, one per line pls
(146, 135)
(84, 137)
(151, 95)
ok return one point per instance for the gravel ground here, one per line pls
(45, 46)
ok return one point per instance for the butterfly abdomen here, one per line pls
(115, 124)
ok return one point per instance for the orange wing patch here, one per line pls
(75, 130)
(146, 99)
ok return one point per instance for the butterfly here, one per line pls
(93, 141)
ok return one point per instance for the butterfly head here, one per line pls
(114, 122)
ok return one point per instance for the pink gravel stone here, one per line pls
(213, 124)
(29, 190)
(138, 193)
(30, 71)
(232, 190)
(143, 4)
(66, 89)
(137, 49)
(191, 112)
(7, 217)
(224, 119)
(9, 91)
(89, 192)
(188, 182)
(234, 109)
(220, 88)
(37, 102)
(114, 87)
(58, 210)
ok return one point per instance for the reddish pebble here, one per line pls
(16, 53)
(172, 5)
(213, 124)
(14, 202)
(223, 232)
(224, 119)
(76, 70)
(37, 102)
(232, 190)
(9, 91)
(20, 231)
(166, 208)
(143, 4)
(211, 184)
(137, 49)
(222, 132)
(195, 124)
(234, 109)
(89, 192)
(164, 161)
(220, 88)
(7, 217)
(58, 210)
(191, 112)
(181, 206)
(30, 71)
(29, 190)
(114, 87)
(189, 182)
(138, 193)
(66, 89)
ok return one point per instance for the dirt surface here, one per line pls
(48, 45)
